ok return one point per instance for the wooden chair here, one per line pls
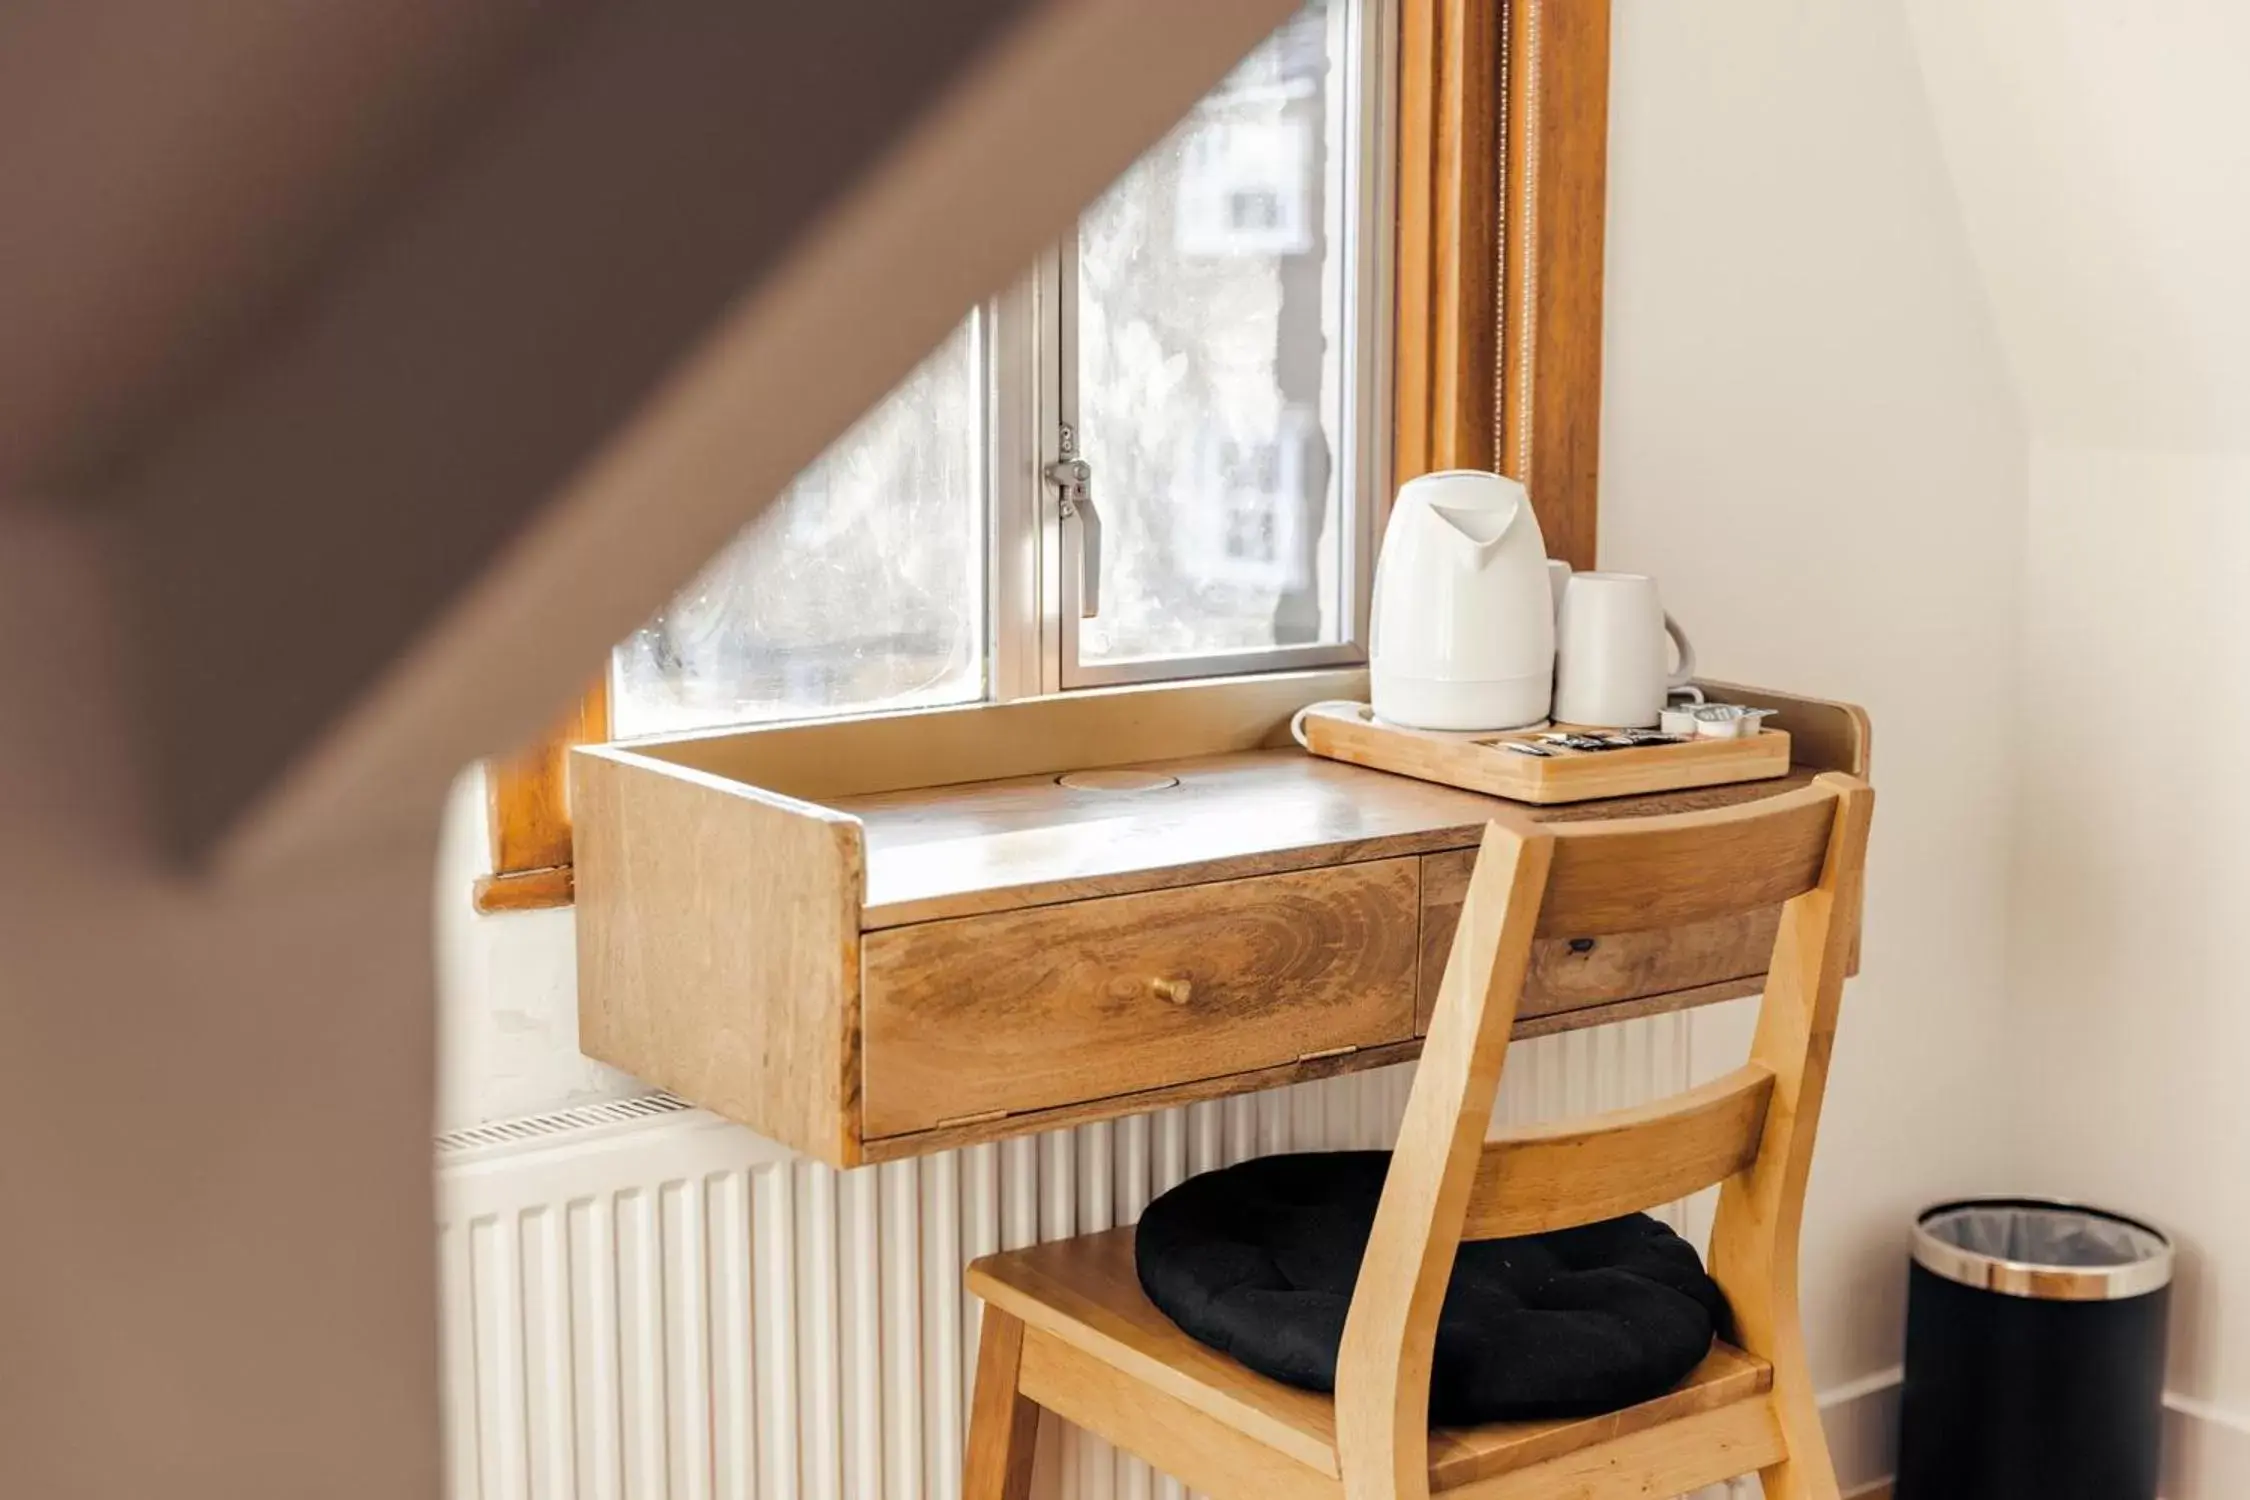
(1068, 1328)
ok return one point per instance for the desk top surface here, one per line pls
(952, 851)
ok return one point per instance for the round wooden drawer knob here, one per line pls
(1178, 991)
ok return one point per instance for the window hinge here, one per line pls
(982, 1119)
(1326, 1052)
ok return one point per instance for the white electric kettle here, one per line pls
(1464, 627)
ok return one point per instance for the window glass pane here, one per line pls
(1211, 308)
(862, 587)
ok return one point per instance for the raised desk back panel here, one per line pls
(938, 747)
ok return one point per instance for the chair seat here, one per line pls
(1084, 1293)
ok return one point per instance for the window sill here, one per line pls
(524, 890)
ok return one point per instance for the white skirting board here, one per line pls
(1861, 1420)
(642, 1302)
(2206, 1448)
(2206, 1451)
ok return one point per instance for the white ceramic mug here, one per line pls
(1609, 652)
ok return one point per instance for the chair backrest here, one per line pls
(1752, 1130)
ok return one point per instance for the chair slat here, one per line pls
(1645, 873)
(1674, 1459)
(1597, 1167)
(1463, 1455)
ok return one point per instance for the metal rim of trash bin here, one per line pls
(2045, 1283)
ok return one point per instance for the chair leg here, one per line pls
(1003, 1423)
(1807, 1473)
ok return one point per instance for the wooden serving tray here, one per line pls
(1481, 763)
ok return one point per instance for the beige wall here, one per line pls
(2099, 152)
(2130, 1017)
(1811, 438)
(507, 992)
(2102, 158)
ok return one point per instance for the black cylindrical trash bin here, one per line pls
(2034, 1354)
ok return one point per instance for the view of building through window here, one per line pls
(862, 587)
(1213, 393)
(1210, 331)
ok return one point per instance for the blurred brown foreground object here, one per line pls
(370, 368)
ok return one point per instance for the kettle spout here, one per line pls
(1480, 525)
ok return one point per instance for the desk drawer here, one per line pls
(1032, 1009)
(1594, 971)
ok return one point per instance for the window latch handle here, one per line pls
(1073, 481)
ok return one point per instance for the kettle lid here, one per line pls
(1463, 488)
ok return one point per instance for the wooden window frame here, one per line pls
(1502, 180)
(527, 812)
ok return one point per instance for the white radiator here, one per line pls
(642, 1302)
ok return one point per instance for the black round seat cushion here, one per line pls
(1258, 1261)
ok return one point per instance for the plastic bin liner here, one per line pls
(2045, 1235)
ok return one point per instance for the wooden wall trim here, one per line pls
(527, 811)
(1553, 219)
(1503, 179)
(1450, 67)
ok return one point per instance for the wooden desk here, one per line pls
(884, 972)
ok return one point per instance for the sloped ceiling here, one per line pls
(413, 351)
(2101, 152)
(169, 170)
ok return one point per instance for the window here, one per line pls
(1207, 345)
(862, 587)
(1220, 381)
(1247, 340)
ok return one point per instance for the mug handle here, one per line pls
(1686, 672)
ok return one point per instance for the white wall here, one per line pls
(2130, 1010)
(1811, 437)
(2102, 158)
(2132, 1017)
(507, 992)
(2100, 152)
